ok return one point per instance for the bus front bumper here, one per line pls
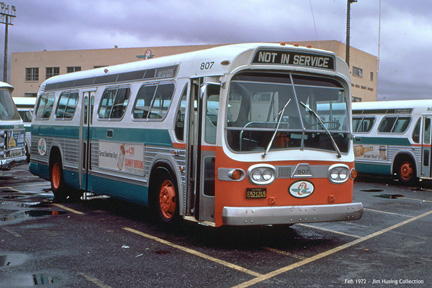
(245, 216)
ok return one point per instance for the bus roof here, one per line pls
(6, 85)
(193, 63)
(380, 107)
(26, 102)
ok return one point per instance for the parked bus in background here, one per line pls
(25, 106)
(393, 138)
(12, 132)
(225, 136)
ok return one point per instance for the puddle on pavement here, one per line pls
(390, 196)
(372, 190)
(43, 279)
(12, 259)
(30, 214)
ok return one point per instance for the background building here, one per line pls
(30, 69)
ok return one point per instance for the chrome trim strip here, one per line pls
(247, 216)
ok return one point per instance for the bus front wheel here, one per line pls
(406, 171)
(165, 197)
(58, 185)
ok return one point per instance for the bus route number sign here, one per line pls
(256, 193)
(291, 58)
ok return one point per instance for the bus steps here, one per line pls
(87, 196)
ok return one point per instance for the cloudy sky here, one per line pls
(403, 40)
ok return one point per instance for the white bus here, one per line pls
(393, 138)
(12, 132)
(25, 106)
(225, 136)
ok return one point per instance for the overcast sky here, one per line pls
(405, 43)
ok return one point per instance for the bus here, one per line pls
(25, 106)
(12, 132)
(393, 138)
(225, 136)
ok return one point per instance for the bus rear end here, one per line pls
(12, 132)
(286, 153)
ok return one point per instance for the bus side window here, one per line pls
(212, 113)
(45, 105)
(161, 101)
(416, 132)
(180, 119)
(427, 132)
(113, 103)
(143, 102)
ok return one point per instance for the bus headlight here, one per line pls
(338, 173)
(261, 174)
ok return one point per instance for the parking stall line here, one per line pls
(282, 252)
(331, 231)
(328, 252)
(194, 252)
(95, 281)
(68, 209)
(415, 199)
(390, 213)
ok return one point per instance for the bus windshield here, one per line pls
(8, 110)
(263, 104)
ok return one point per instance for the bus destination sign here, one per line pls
(295, 59)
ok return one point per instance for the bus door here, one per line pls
(85, 139)
(426, 170)
(202, 149)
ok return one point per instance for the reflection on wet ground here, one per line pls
(16, 206)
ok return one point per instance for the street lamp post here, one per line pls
(6, 16)
(348, 28)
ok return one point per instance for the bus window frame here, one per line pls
(156, 84)
(48, 95)
(394, 124)
(117, 88)
(70, 92)
(362, 118)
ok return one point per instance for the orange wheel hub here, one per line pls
(56, 175)
(167, 199)
(406, 171)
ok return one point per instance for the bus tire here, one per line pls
(406, 171)
(58, 185)
(164, 197)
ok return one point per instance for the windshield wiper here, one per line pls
(280, 114)
(320, 121)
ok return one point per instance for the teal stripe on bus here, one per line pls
(158, 137)
(371, 168)
(55, 131)
(382, 141)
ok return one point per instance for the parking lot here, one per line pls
(109, 243)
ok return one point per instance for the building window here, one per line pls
(99, 66)
(371, 76)
(357, 72)
(32, 74)
(52, 71)
(356, 99)
(30, 95)
(73, 69)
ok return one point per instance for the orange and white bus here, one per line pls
(226, 136)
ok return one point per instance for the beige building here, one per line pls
(30, 69)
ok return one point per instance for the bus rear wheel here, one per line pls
(406, 172)
(165, 197)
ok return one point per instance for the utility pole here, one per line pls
(348, 28)
(6, 16)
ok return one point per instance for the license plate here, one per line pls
(256, 193)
